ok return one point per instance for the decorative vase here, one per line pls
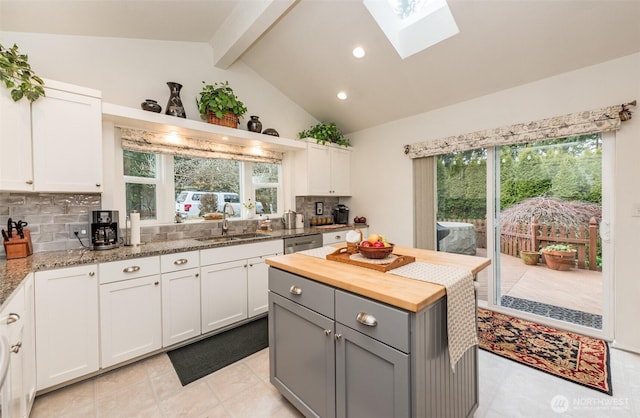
(151, 106)
(530, 258)
(174, 106)
(254, 124)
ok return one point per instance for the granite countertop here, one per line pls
(12, 272)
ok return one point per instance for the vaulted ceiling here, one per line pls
(303, 47)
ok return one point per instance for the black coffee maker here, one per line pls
(104, 229)
(341, 214)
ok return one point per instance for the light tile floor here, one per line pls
(150, 388)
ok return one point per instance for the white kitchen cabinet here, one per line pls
(180, 297)
(67, 325)
(54, 144)
(12, 319)
(323, 170)
(234, 282)
(130, 309)
(258, 286)
(67, 139)
(29, 344)
(16, 169)
(224, 294)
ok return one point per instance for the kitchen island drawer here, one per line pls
(377, 320)
(179, 261)
(313, 295)
(128, 269)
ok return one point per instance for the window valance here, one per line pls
(153, 142)
(573, 124)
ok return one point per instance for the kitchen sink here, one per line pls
(238, 237)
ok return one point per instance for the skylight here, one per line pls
(413, 25)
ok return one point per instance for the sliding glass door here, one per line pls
(512, 201)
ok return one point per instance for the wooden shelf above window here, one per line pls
(126, 117)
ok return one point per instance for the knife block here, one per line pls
(18, 247)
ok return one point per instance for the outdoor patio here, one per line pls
(576, 289)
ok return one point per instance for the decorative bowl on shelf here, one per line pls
(375, 252)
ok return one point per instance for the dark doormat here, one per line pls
(556, 312)
(203, 357)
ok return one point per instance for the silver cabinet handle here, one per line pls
(295, 290)
(366, 319)
(11, 318)
(156, 283)
(131, 269)
(92, 273)
(16, 347)
(181, 261)
(29, 181)
(98, 184)
(327, 332)
(338, 336)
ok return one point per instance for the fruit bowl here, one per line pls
(375, 252)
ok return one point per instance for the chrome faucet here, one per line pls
(225, 223)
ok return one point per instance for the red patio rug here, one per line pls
(574, 357)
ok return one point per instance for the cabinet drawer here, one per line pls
(179, 261)
(128, 269)
(313, 295)
(386, 324)
(334, 237)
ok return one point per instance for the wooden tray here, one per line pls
(343, 256)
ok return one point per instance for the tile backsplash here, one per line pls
(50, 217)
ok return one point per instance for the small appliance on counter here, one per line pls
(341, 214)
(289, 219)
(104, 229)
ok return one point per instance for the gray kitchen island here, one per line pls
(349, 341)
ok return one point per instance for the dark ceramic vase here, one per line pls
(174, 106)
(151, 106)
(254, 124)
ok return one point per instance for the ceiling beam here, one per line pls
(246, 23)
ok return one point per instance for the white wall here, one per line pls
(382, 174)
(128, 71)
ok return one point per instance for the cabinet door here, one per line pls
(372, 379)
(180, 306)
(16, 172)
(258, 286)
(302, 356)
(67, 142)
(12, 319)
(29, 343)
(66, 324)
(130, 319)
(319, 170)
(223, 294)
(340, 172)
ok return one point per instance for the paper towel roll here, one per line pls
(135, 227)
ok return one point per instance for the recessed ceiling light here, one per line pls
(342, 95)
(358, 52)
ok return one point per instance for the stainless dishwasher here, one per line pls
(305, 242)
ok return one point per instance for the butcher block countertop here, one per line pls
(409, 294)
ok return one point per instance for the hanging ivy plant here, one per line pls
(325, 132)
(16, 74)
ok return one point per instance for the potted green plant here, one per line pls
(324, 132)
(559, 256)
(219, 105)
(16, 74)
